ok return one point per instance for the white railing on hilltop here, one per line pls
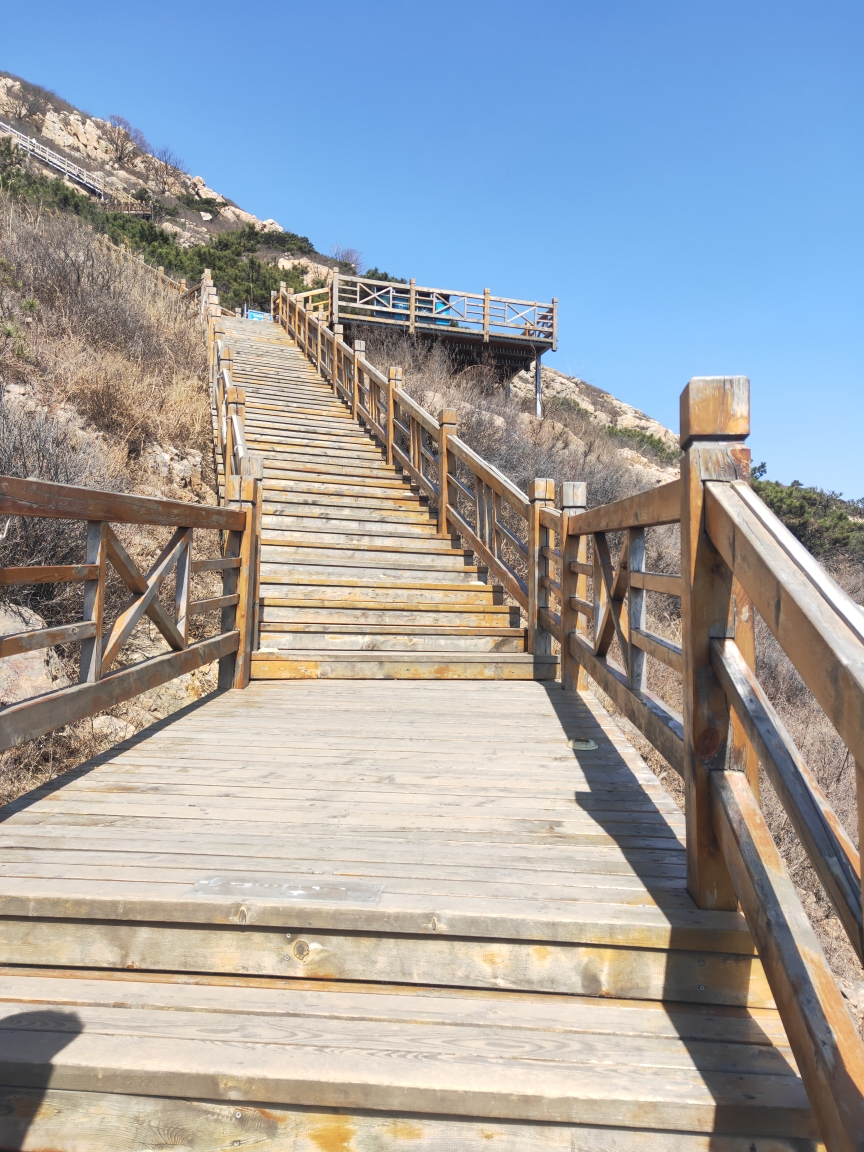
(95, 181)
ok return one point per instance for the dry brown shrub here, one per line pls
(108, 362)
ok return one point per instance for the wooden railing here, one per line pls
(499, 521)
(93, 181)
(737, 559)
(102, 685)
(123, 254)
(354, 298)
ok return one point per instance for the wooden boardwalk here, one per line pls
(457, 933)
(355, 579)
(406, 889)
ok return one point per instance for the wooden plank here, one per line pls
(200, 607)
(657, 582)
(826, 1043)
(45, 638)
(48, 574)
(217, 565)
(646, 509)
(825, 840)
(654, 719)
(65, 502)
(35, 717)
(658, 647)
(103, 1122)
(538, 965)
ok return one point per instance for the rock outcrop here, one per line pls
(29, 673)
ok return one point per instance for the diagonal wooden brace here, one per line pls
(614, 583)
(146, 591)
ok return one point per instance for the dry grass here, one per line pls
(102, 337)
(103, 365)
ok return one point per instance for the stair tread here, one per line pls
(555, 1061)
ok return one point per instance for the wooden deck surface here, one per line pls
(386, 899)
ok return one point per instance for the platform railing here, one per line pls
(435, 310)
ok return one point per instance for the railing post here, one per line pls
(715, 420)
(394, 380)
(241, 492)
(412, 305)
(359, 354)
(486, 314)
(541, 494)
(236, 406)
(574, 497)
(446, 429)
(94, 602)
(338, 332)
(636, 608)
(334, 301)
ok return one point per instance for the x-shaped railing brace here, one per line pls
(607, 609)
(145, 593)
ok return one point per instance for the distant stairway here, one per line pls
(354, 580)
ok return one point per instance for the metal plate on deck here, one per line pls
(326, 889)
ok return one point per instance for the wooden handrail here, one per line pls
(101, 687)
(736, 557)
(474, 504)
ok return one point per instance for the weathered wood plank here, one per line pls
(42, 498)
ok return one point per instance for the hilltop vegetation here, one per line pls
(242, 275)
(827, 525)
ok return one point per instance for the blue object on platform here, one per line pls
(250, 315)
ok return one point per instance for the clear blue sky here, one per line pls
(684, 175)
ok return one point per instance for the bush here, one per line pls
(827, 525)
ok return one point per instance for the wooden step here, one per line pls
(301, 1066)
(439, 665)
(390, 640)
(374, 543)
(343, 524)
(394, 591)
(406, 613)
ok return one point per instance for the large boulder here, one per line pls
(29, 673)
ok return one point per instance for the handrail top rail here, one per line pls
(517, 499)
(651, 508)
(841, 602)
(44, 498)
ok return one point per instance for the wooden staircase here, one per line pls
(377, 916)
(354, 579)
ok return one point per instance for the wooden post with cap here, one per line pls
(574, 497)
(715, 420)
(446, 429)
(541, 494)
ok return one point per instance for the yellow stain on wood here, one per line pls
(404, 1130)
(333, 1134)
